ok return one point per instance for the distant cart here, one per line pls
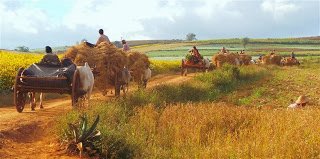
(57, 84)
(185, 64)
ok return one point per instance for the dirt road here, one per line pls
(31, 134)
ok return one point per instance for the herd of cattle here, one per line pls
(243, 59)
(87, 74)
(237, 59)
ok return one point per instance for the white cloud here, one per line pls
(22, 19)
(279, 8)
(213, 8)
(120, 17)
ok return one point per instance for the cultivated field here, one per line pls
(232, 112)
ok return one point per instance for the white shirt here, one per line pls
(293, 105)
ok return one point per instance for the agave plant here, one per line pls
(82, 139)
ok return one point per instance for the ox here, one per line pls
(145, 77)
(32, 96)
(124, 79)
(86, 81)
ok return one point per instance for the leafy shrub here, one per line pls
(225, 79)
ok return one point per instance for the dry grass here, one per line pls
(261, 127)
(208, 130)
(216, 130)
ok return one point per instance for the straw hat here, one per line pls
(302, 99)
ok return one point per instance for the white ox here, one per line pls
(146, 76)
(86, 81)
(85, 90)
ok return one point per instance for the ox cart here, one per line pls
(47, 84)
(201, 65)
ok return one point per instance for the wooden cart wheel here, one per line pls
(19, 97)
(75, 88)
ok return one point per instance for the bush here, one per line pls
(226, 78)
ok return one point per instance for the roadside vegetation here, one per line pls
(124, 137)
(227, 113)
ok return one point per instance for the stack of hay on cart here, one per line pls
(137, 63)
(245, 59)
(231, 58)
(289, 61)
(271, 59)
(106, 58)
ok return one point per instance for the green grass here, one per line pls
(178, 53)
(252, 49)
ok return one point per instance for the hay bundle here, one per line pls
(276, 59)
(112, 62)
(245, 59)
(232, 58)
(219, 59)
(134, 56)
(271, 59)
(109, 61)
(137, 63)
(288, 61)
(266, 60)
(82, 53)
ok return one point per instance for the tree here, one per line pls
(22, 49)
(191, 37)
(245, 41)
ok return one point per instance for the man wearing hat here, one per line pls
(300, 102)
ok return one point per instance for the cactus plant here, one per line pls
(82, 139)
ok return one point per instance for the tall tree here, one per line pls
(22, 49)
(245, 41)
(191, 37)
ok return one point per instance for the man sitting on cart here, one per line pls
(196, 57)
(49, 58)
(102, 38)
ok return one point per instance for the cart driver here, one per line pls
(102, 38)
(49, 58)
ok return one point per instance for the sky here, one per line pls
(37, 23)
